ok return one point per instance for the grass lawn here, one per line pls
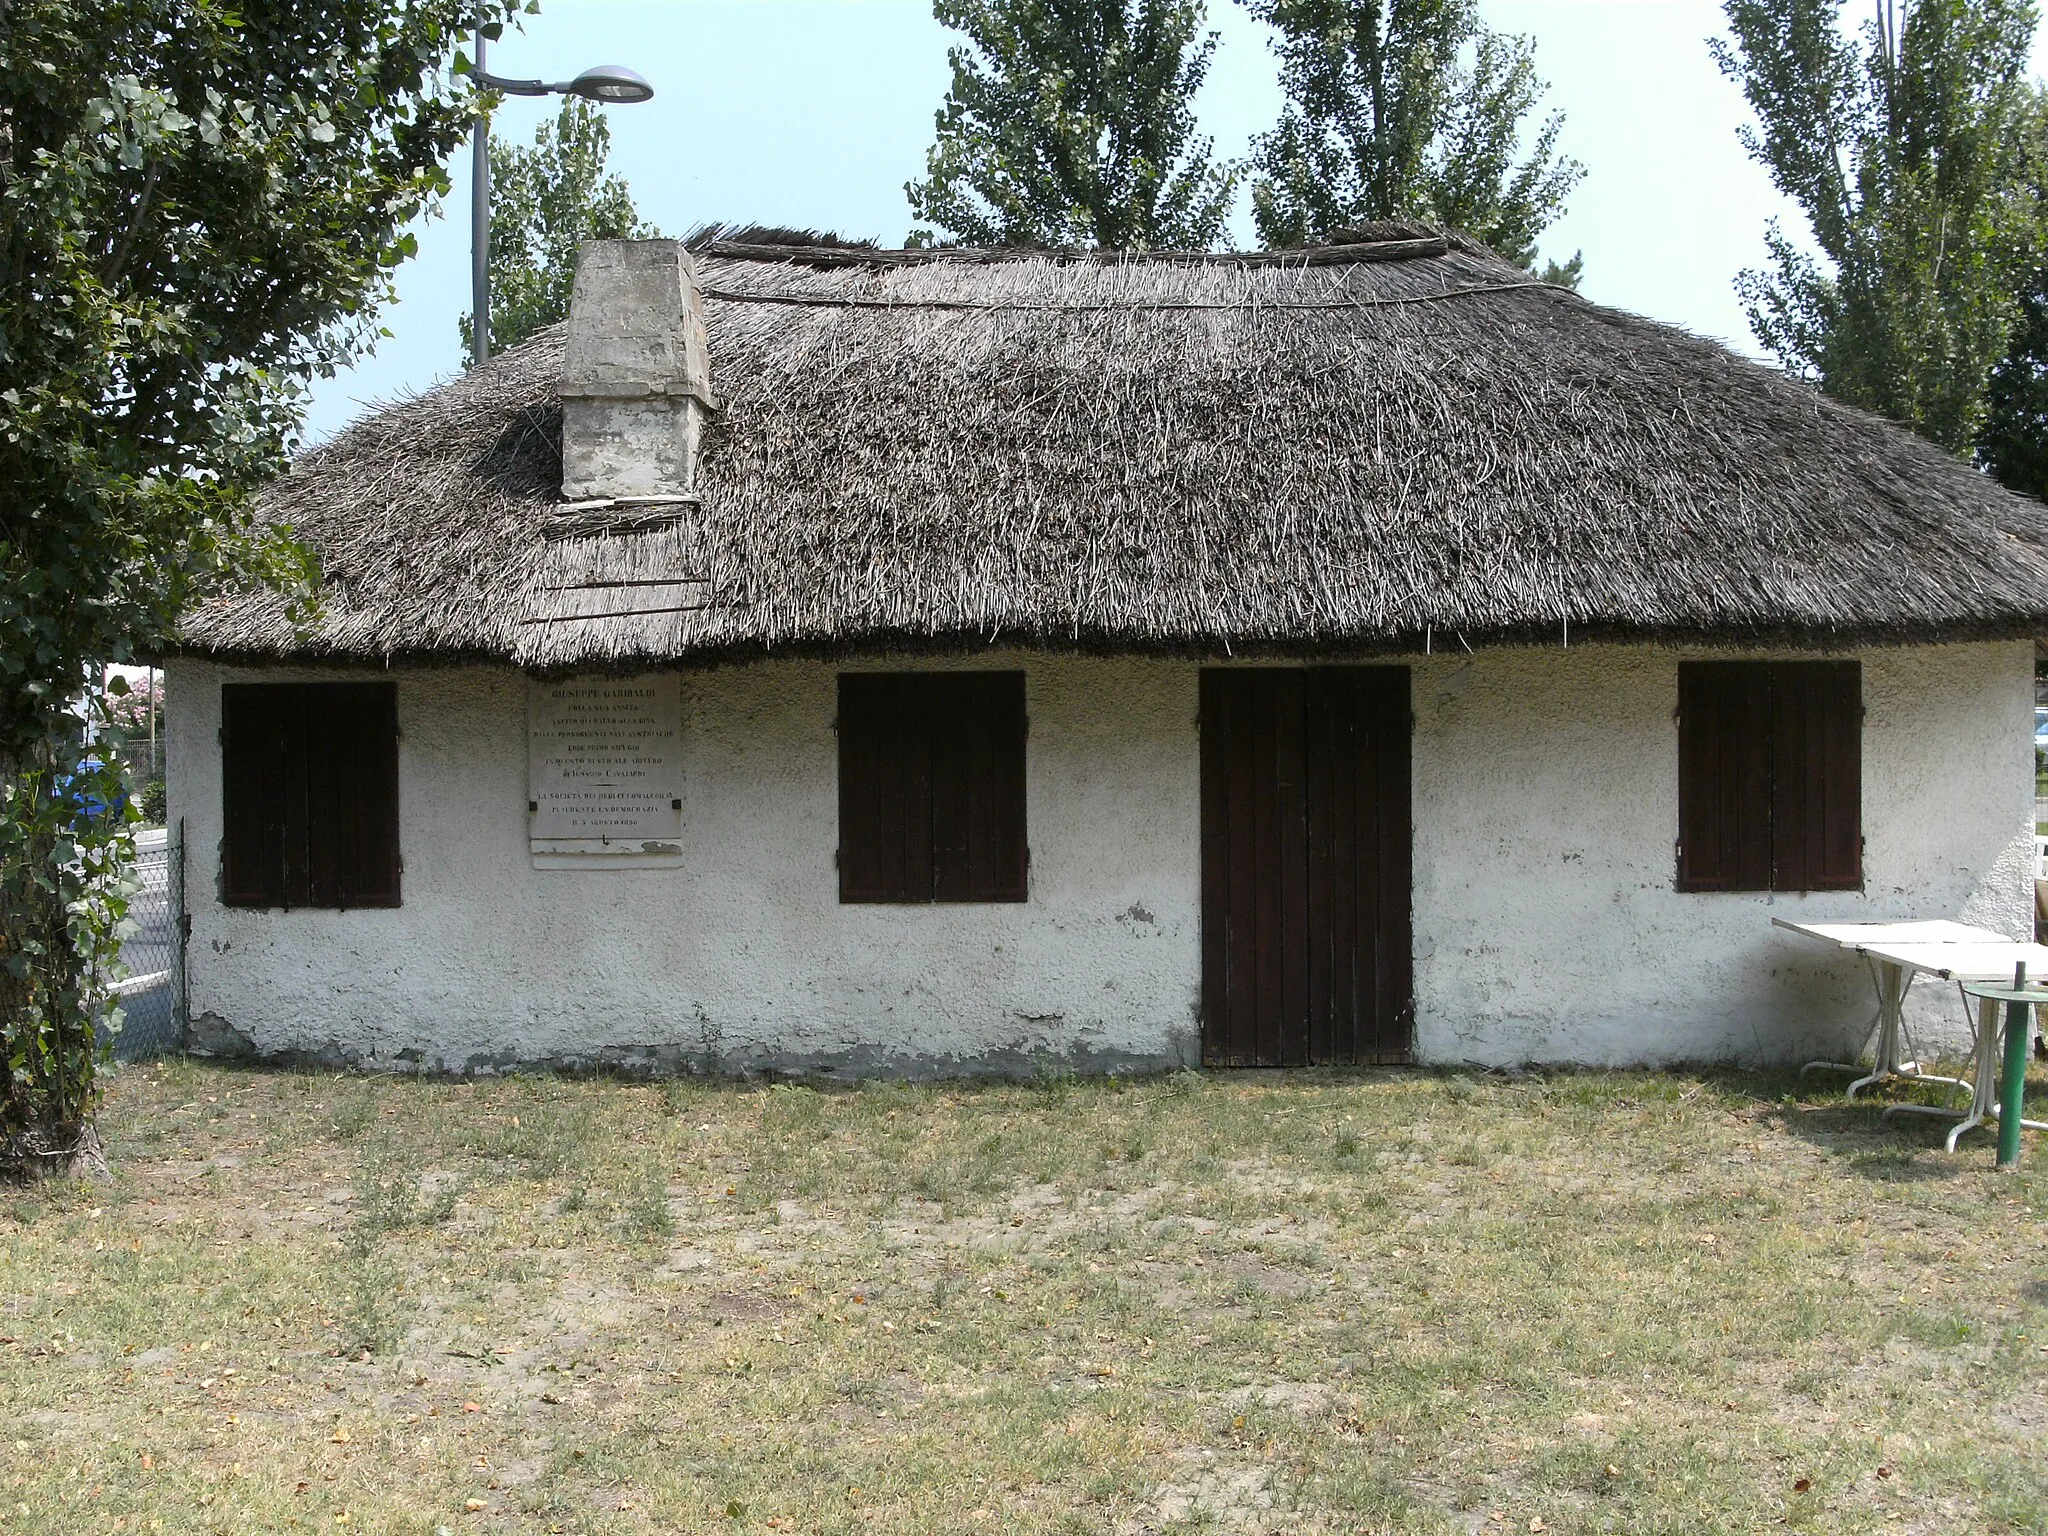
(1259, 1302)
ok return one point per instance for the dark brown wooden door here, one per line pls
(1306, 864)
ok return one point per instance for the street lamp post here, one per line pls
(606, 84)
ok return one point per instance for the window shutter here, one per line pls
(1817, 776)
(885, 841)
(255, 731)
(310, 794)
(1724, 776)
(352, 794)
(931, 787)
(976, 724)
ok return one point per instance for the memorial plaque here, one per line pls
(604, 773)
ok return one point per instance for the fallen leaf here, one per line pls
(1884, 1471)
(340, 1435)
(1802, 1485)
(1536, 1523)
(473, 1505)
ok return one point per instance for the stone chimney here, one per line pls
(636, 375)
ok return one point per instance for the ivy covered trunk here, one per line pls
(64, 852)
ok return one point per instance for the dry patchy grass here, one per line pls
(1260, 1302)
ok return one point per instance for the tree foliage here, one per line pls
(545, 202)
(1407, 109)
(199, 208)
(1071, 123)
(1908, 145)
(2013, 441)
(65, 879)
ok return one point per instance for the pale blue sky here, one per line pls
(813, 113)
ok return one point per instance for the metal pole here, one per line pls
(480, 231)
(2012, 1083)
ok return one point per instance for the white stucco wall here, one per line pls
(1546, 925)
(744, 957)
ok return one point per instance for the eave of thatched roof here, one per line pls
(1347, 449)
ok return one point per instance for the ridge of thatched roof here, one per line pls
(1355, 447)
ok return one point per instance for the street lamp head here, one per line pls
(612, 83)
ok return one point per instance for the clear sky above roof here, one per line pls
(813, 114)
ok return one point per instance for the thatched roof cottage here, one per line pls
(813, 657)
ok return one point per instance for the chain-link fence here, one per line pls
(152, 991)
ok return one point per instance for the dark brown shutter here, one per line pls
(352, 794)
(255, 734)
(310, 794)
(976, 725)
(1817, 775)
(884, 791)
(931, 787)
(1724, 776)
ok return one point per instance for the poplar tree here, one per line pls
(1907, 145)
(1407, 109)
(1071, 123)
(2013, 441)
(546, 200)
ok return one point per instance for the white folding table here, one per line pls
(1965, 962)
(1893, 978)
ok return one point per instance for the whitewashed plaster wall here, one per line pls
(744, 958)
(1546, 925)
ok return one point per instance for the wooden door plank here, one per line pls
(1290, 821)
(1213, 729)
(1266, 955)
(1242, 904)
(1390, 744)
(1320, 758)
(1362, 884)
(1354, 916)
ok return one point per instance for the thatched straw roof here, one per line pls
(1355, 448)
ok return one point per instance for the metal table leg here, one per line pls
(1893, 981)
(1984, 1087)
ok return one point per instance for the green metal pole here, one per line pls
(2012, 1083)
